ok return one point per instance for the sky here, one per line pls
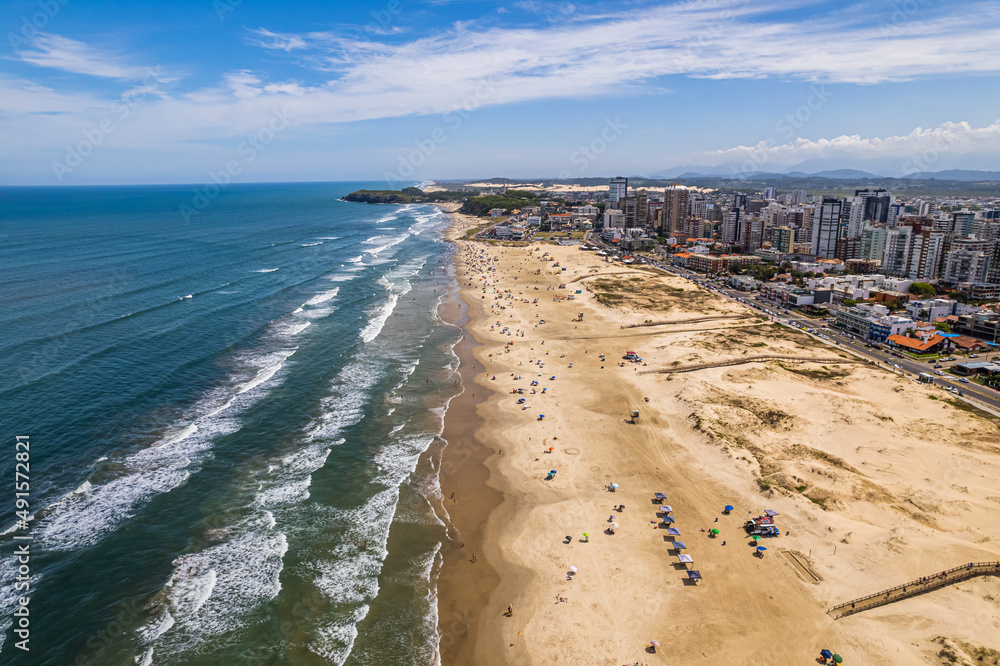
(194, 91)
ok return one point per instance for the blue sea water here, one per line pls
(227, 415)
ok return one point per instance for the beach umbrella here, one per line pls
(614, 486)
(756, 537)
(714, 531)
(826, 654)
(729, 507)
(552, 471)
(586, 535)
(837, 659)
(761, 549)
(551, 449)
(573, 569)
(655, 643)
(614, 526)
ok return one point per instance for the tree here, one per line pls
(922, 289)
(943, 326)
(849, 302)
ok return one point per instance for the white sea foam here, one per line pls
(278, 361)
(298, 328)
(329, 237)
(323, 297)
(374, 327)
(83, 517)
(311, 244)
(391, 242)
(145, 659)
(212, 591)
(266, 270)
(342, 278)
(356, 260)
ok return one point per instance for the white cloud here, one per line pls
(69, 55)
(957, 137)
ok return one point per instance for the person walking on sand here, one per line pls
(510, 611)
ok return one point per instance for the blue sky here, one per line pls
(103, 92)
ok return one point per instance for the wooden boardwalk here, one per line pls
(748, 359)
(913, 588)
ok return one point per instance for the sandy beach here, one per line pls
(877, 481)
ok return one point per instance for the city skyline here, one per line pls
(406, 91)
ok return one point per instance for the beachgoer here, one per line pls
(510, 611)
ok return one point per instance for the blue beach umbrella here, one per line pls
(826, 654)
(552, 471)
(761, 549)
(729, 507)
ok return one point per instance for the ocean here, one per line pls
(227, 412)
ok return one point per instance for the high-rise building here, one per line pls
(876, 204)
(675, 208)
(963, 265)
(641, 208)
(770, 193)
(799, 197)
(963, 224)
(852, 217)
(993, 264)
(753, 234)
(872, 242)
(826, 228)
(896, 257)
(617, 191)
(782, 239)
(731, 231)
(740, 200)
(699, 207)
(926, 255)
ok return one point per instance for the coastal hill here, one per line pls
(404, 196)
(471, 205)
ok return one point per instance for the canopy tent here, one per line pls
(771, 513)
(660, 496)
(685, 558)
(694, 575)
(679, 545)
(667, 520)
(666, 508)
(673, 531)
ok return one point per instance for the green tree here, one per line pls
(922, 289)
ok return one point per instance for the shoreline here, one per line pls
(463, 584)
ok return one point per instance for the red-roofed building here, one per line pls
(915, 344)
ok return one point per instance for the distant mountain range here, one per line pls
(734, 170)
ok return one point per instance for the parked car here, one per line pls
(963, 380)
(973, 355)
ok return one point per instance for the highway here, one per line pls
(828, 335)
